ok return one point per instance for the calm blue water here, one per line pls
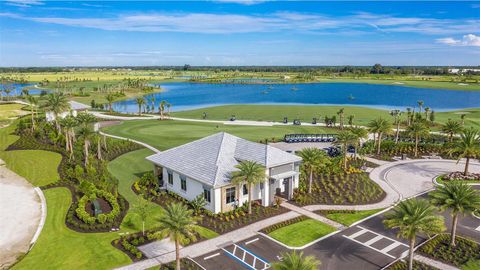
(185, 96)
(17, 89)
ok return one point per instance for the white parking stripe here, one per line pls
(478, 228)
(375, 239)
(211, 256)
(251, 241)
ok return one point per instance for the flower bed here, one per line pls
(439, 249)
(80, 220)
(341, 189)
(474, 177)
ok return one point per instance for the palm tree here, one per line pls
(69, 123)
(86, 134)
(457, 196)
(412, 217)
(33, 103)
(427, 110)
(168, 108)
(296, 261)
(420, 105)
(110, 99)
(360, 134)
(161, 108)
(140, 102)
(179, 225)
(311, 160)
(340, 114)
(396, 114)
(468, 147)
(350, 120)
(462, 117)
(418, 130)
(409, 115)
(379, 127)
(86, 119)
(56, 103)
(451, 128)
(249, 173)
(7, 92)
(345, 138)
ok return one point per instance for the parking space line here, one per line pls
(384, 236)
(362, 231)
(390, 247)
(373, 240)
(251, 241)
(356, 241)
(211, 256)
(242, 257)
(478, 228)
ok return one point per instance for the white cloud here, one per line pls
(467, 40)
(23, 3)
(241, 2)
(212, 23)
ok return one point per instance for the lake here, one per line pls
(17, 89)
(184, 96)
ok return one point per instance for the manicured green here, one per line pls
(472, 117)
(277, 112)
(167, 134)
(37, 166)
(9, 111)
(301, 233)
(61, 248)
(348, 219)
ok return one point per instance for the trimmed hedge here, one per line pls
(285, 223)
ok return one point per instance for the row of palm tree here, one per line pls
(417, 216)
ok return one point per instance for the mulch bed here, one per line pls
(403, 265)
(344, 189)
(104, 206)
(439, 249)
(222, 223)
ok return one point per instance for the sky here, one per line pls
(235, 32)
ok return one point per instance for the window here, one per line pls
(206, 195)
(170, 178)
(183, 183)
(245, 190)
(230, 195)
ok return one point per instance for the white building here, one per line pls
(75, 107)
(205, 166)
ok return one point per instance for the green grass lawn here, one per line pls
(278, 112)
(301, 233)
(37, 166)
(305, 113)
(348, 219)
(8, 111)
(167, 134)
(61, 248)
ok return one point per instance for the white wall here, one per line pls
(194, 188)
(50, 116)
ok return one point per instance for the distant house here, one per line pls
(205, 166)
(75, 107)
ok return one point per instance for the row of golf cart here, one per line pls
(296, 138)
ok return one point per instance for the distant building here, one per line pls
(75, 107)
(464, 70)
(205, 166)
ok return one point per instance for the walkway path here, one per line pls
(99, 125)
(207, 246)
(22, 212)
(434, 263)
(312, 215)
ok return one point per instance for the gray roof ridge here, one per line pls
(218, 155)
(189, 143)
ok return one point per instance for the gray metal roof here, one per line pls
(210, 160)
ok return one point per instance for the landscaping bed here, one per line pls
(403, 265)
(439, 249)
(298, 231)
(459, 176)
(185, 264)
(340, 189)
(221, 222)
(346, 217)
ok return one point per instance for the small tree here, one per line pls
(344, 139)
(468, 147)
(249, 173)
(296, 261)
(457, 196)
(379, 127)
(142, 209)
(312, 158)
(418, 130)
(451, 128)
(412, 217)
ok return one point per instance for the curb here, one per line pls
(42, 217)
